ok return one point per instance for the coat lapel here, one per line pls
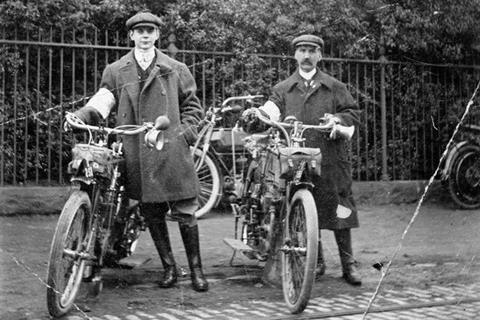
(130, 81)
(296, 80)
(318, 81)
(161, 69)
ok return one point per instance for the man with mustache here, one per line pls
(310, 94)
(140, 86)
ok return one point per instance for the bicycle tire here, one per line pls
(464, 179)
(210, 185)
(298, 267)
(65, 273)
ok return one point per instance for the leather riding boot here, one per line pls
(320, 270)
(344, 242)
(191, 242)
(159, 232)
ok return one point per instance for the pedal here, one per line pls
(239, 245)
(249, 252)
(133, 262)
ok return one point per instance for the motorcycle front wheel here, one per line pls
(70, 246)
(299, 256)
(210, 187)
(464, 179)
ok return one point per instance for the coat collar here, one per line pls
(319, 78)
(128, 70)
(162, 62)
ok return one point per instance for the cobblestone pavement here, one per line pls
(438, 302)
(435, 276)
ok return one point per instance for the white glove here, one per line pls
(331, 121)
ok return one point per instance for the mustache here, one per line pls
(307, 61)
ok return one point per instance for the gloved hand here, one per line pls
(250, 122)
(88, 115)
(331, 121)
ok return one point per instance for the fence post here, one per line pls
(172, 48)
(383, 109)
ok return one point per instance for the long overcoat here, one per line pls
(308, 103)
(170, 89)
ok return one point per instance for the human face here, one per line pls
(144, 37)
(307, 57)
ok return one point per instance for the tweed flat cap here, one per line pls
(143, 19)
(308, 39)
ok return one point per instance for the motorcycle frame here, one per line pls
(88, 182)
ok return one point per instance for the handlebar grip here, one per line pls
(236, 108)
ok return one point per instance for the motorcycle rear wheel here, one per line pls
(300, 259)
(210, 186)
(464, 179)
(70, 242)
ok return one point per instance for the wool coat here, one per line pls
(170, 89)
(325, 94)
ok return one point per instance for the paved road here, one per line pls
(435, 275)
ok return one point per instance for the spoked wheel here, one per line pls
(209, 177)
(68, 253)
(299, 256)
(464, 180)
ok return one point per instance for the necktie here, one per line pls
(308, 83)
(145, 61)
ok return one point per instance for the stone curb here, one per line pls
(396, 192)
(26, 200)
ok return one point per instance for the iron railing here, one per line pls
(409, 109)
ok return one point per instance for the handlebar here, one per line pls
(237, 98)
(154, 130)
(236, 108)
(295, 123)
(299, 127)
(128, 130)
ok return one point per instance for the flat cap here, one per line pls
(307, 40)
(143, 19)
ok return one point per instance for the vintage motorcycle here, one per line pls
(461, 172)
(98, 225)
(275, 212)
(219, 152)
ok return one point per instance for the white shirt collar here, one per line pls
(143, 56)
(307, 75)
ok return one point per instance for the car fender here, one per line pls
(452, 155)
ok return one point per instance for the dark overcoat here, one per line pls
(333, 190)
(152, 175)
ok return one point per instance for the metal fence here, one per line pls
(409, 109)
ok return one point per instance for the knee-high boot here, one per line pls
(321, 267)
(191, 242)
(159, 232)
(344, 242)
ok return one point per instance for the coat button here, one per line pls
(163, 92)
(124, 115)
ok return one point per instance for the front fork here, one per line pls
(292, 187)
(106, 205)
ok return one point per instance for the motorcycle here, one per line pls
(219, 153)
(98, 225)
(461, 172)
(275, 212)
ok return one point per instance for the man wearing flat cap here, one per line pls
(310, 95)
(140, 86)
